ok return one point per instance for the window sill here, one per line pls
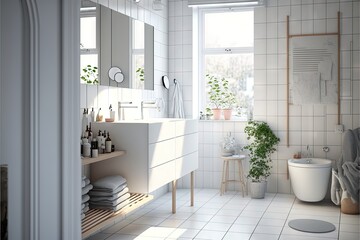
(223, 120)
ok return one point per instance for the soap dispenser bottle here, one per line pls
(108, 143)
(85, 121)
(99, 116)
(111, 113)
(92, 115)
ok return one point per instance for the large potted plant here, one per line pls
(262, 145)
(220, 96)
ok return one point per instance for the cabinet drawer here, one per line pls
(186, 144)
(186, 127)
(161, 152)
(161, 175)
(161, 131)
(186, 164)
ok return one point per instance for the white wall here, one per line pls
(180, 52)
(103, 96)
(309, 125)
(37, 43)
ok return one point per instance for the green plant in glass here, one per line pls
(141, 73)
(263, 142)
(90, 74)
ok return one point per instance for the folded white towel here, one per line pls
(86, 189)
(85, 198)
(115, 208)
(112, 203)
(109, 198)
(85, 210)
(85, 181)
(104, 193)
(109, 183)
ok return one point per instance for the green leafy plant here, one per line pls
(260, 149)
(90, 74)
(220, 95)
(141, 74)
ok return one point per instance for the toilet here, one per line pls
(309, 178)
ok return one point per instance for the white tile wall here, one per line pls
(180, 52)
(312, 125)
(309, 125)
(102, 96)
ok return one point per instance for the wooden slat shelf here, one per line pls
(102, 157)
(96, 219)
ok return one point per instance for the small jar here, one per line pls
(108, 146)
(86, 149)
(95, 153)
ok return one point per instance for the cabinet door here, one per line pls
(161, 131)
(161, 175)
(186, 164)
(161, 152)
(186, 144)
(184, 127)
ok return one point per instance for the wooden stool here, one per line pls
(225, 173)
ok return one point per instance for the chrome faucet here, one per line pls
(148, 104)
(308, 154)
(121, 106)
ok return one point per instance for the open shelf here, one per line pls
(102, 157)
(96, 219)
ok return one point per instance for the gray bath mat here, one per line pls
(311, 225)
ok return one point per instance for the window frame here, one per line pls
(202, 51)
(91, 12)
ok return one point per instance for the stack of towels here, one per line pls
(109, 193)
(85, 188)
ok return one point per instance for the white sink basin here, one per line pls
(151, 120)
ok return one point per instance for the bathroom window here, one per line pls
(88, 45)
(226, 50)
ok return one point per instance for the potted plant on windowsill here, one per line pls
(229, 101)
(220, 96)
(263, 142)
(215, 93)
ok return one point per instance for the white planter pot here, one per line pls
(258, 189)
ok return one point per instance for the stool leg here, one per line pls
(192, 188)
(227, 175)
(241, 179)
(222, 180)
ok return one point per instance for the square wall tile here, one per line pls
(271, 14)
(295, 13)
(271, 30)
(307, 12)
(283, 11)
(260, 46)
(319, 11)
(260, 30)
(260, 15)
(307, 123)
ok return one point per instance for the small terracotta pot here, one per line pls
(216, 113)
(227, 114)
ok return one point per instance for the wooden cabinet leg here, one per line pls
(192, 189)
(174, 196)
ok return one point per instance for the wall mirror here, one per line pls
(111, 39)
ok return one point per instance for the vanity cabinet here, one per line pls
(157, 152)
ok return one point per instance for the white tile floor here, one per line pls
(230, 217)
